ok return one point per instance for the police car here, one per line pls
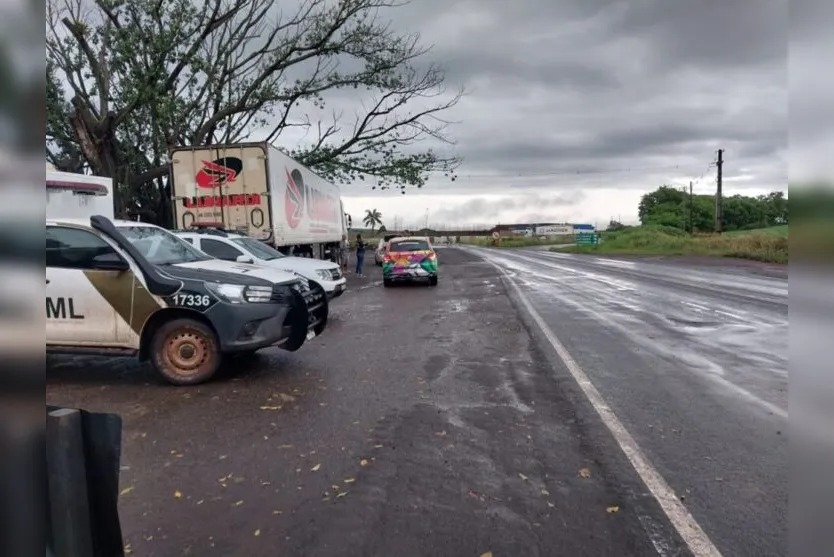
(131, 288)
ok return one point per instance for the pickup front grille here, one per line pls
(336, 273)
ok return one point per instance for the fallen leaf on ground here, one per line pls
(128, 549)
(363, 462)
(342, 494)
(585, 473)
(613, 509)
(286, 397)
(126, 490)
(201, 501)
(285, 447)
(315, 468)
(239, 503)
(522, 476)
(487, 554)
(441, 433)
(551, 505)
(270, 407)
(276, 512)
(545, 492)
(349, 480)
(178, 494)
(257, 533)
(377, 446)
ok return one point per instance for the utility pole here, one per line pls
(691, 226)
(719, 201)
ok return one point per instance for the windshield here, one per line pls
(258, 248)
(160, 247)
(410, 245)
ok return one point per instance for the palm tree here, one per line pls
(373, 218)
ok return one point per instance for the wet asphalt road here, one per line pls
(692, 357)
(432, 421)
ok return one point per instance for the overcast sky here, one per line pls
(577, 107)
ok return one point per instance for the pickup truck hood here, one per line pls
(303, 265)
(273, 275)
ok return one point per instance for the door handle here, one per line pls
(47, 281)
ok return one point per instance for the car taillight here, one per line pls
(386, 258)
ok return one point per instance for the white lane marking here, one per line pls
(693, 535)
(616, 263)
(622, 286)
(706, 309)
(728, 314)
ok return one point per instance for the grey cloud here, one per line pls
(592, 93)
(720, 34)
(491, 209)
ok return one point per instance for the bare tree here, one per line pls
(128, 79)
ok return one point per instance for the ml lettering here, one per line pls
(58, 308)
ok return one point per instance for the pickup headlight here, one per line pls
(238, 293)
(324, 274)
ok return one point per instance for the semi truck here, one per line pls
(257, 190)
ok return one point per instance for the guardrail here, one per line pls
(83, 455)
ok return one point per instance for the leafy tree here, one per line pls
(373, 218)
(382, 229)
(128, 79)
(669, 206)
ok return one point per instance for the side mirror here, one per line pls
(244, 259)
(110, 262)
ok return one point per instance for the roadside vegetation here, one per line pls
(759, 245)
(673, 223)
(521, 242)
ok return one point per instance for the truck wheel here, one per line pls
(185, 352)
(387, 283)
(433, 281)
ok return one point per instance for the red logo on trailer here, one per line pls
(294, 198)
(218, 172)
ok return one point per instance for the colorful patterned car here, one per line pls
(408, 259)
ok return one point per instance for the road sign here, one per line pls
(583, 228)
(586, 238)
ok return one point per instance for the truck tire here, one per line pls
(387, 283)
(433, 281)
(185, 352)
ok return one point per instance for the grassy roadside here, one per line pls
(521, 242)
(769, 245)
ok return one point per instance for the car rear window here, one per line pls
(410, 245)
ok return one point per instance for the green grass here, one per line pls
(519, 242)
(656, 240)
(781, 231)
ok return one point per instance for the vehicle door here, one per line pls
(87, 304)
(222, 250)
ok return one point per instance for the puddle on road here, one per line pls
(457, 306)
(689, 323)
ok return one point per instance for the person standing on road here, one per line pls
(343, 252)
(360, 255)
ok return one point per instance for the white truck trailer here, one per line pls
(255, 189)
